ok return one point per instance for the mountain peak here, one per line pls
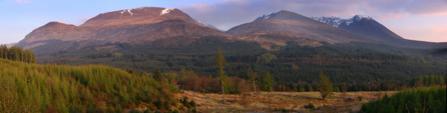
(143, 15)
(294, 26)
(282, 14)
(337, 22)
(167, 11)
(56, 24)
(364, 26)
(360, 17)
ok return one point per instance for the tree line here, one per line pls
(259, 80)
(17, 54)
(252, 81)
(294, 67)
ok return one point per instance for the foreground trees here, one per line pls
(421, 100)
(267, 82)
(32, 88)
(16, 54)
(325, 86)
(220, 63)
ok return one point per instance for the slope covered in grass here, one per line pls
(57, 88)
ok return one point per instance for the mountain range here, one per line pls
(286, 43)
(136, 26)
(148, 24)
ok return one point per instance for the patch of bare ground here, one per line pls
(266, 102)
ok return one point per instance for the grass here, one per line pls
(281, 101)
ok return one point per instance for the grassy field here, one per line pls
(282, 102)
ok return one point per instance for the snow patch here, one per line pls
(334, 21)
(337, 22)
(166, 11)
(129, 11)
(265, 17)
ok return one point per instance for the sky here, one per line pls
(424, 20)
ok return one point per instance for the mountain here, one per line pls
(371, 29)
(294, 26)
(134, 26)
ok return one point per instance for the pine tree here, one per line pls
(267, 82)
(220, 63)
(325, 86)
(17, 54)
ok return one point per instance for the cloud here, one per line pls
(232, 12)
(228, 13)
(428, 7)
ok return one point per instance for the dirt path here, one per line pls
(281, 102)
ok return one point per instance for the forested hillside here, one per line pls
(354, 67)
(32, 88)
(421, 100)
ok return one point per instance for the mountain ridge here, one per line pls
(140, 25)
(373, 30)
(295, 26)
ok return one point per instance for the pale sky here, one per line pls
(424, 20)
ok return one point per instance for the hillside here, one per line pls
(93, 88)
(418, 100)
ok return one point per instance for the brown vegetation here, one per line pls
(281, 101)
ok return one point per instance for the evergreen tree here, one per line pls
(267, 82)
(325, 86)
(220, 63)
(17, 54)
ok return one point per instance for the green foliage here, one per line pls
(56, 88)
(267, 82)
(325, 86)
(266, 58)
(220, 63)
(377, 67)
(420, 100)
(16, 54)
(430, 80)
